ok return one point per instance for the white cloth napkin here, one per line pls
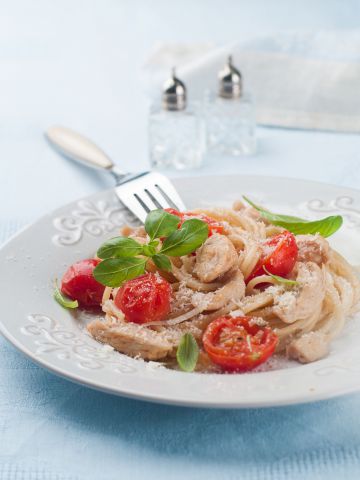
(307, 81)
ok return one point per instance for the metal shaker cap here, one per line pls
(230, 81)
(174, 93)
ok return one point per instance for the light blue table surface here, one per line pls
(78, 63)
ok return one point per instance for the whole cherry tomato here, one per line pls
(144, 299)
(78, 283)
(238, 344)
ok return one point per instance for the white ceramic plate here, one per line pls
(53, 338)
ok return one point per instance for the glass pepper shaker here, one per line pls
(230, 115)
(176, 129)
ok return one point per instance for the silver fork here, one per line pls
(139, 192)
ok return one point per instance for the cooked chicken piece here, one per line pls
(216, 257)
(131, 339)
(149, 343)
(313, 248)
(300, 303)
(309, 347)
(234, 289)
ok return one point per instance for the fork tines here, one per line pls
(149, 192)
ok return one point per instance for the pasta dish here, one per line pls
(217, 290)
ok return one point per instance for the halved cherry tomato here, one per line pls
(238, 344)
(214, 225)
(144, 299)
(279, 256)
(78, 283)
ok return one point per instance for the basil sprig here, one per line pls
(325, 227)
(279, 279)
(62, 300)
(124, 258)
(187, 353)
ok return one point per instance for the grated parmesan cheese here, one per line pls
(258, 321)
(286, 300)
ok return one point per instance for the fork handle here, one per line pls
(76, 147)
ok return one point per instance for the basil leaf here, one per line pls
(187, 353)
(112, 272)
(162, 262)
(154, 243)
(325, 227)
(119, 247)
(188, 238)
(279, 279)
(64, 301)
(149, 250)
(159, 223)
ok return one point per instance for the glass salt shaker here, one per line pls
(176, 129)
(230, 115)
